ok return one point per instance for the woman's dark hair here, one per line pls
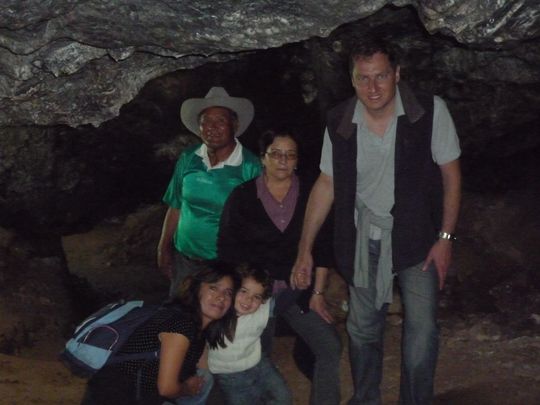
(369, 45)
(187, 296)
(268, 137)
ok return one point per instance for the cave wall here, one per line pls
(71, 62)
(36, 293)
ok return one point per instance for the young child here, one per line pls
(244, 374)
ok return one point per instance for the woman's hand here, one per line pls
(192, 386)
(317, 304)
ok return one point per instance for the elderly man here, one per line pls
(390, 166)
(203, 179)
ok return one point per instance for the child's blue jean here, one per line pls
(261, 384)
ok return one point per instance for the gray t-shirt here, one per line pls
(375, 156)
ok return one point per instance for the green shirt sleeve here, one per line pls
(251, 167)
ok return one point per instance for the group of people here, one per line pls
(246, 242)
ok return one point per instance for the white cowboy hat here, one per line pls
(216, 97)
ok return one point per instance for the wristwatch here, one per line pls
(446, 235)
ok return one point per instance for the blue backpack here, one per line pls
(97, 340)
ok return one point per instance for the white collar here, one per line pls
(234, 159)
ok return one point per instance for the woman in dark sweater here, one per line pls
(261, 224)
(201, 312)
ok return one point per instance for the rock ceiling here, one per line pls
(77, 62)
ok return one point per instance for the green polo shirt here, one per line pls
(200, 194)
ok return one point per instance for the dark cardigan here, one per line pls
(248, 235)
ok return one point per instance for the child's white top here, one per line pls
(245, 350)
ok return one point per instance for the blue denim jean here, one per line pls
(365, 326)
(261, 384)
(202, 396)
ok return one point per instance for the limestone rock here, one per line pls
(74, 63)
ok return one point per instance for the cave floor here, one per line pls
(471, 370)
(468, 374)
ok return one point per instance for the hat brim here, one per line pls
(192, 108)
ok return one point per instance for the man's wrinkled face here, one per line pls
(217, 126)
(374, 80)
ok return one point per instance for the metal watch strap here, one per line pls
(446, 235)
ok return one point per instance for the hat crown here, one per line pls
(216, 92)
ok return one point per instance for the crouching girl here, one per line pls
(200, 312)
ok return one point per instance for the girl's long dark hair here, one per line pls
(187, 296)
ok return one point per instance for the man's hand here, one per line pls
(301, 272)
(317, 304)
(165, 261)
(319, 203)
(441, 255)
(441, 252)
(192, 386)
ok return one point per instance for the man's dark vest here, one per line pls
(417, 209)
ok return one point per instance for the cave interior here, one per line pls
(62, 177)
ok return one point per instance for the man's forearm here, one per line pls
(318, 206)
(441, 252)
(170, 223)
(451, 176)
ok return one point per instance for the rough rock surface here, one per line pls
(34, 281)
(497, 261)
(71, 62)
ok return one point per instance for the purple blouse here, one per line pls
(279, 212)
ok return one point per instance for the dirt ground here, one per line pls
(476, 366)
